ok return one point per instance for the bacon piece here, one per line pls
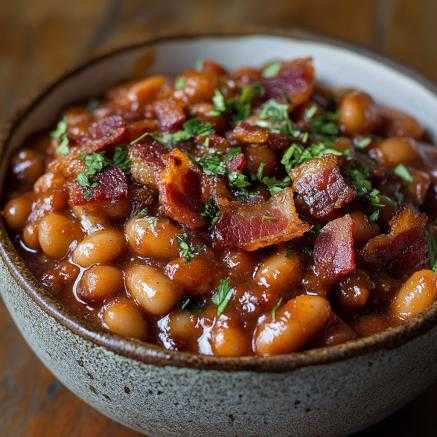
(321, 188)
(238, 163)
(251, 227)
(334, 254)
(215, 188)
(404, 248)
(180, 191)
(104, 133)
(147, 161)
(111, 186)
(278, 141)
(170, 114)
(295, 80)
(247, 134)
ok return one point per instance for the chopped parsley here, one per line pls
(121, 159)
(222, 295)
(95, 163)
(213, 164)
(180, 83)
(188, 250)
(360, 178)
(60, 135)
(211, 212)
(271, 69)
(240, 107)
(296, 154)
(275, 308)
(273, 184)
(238, 180)
(325, 124)
(403, 173)
(191, 128)
(432, 249)
(191, 304)
(362, 142)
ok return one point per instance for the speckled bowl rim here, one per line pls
(151, 354)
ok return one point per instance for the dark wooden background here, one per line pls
(41, 38)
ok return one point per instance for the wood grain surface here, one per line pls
(41, 38)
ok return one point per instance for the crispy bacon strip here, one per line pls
(404, 248)
(111, 186)
(295, 80)
(170, 114)
(334, 254)
(108, 131)
(321, 188)
(251, 227)
(180, 191)
(147, 161)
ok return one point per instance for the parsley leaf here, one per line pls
(60, 135)
(238, 180)
(360, 178)
(212, 164)
(325, 124)
(362, 142)
(222, 295)
(191, 304)
(191, 128)
(121, 159)
(402, 172)
(432, 249)
(211, 212)
(275, 308)
(180, 83)
(240, 107)
(296, 154)
(271, 69)
(187, 250)
(94, 164)
(273, 184)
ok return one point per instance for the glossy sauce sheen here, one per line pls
(231, 213)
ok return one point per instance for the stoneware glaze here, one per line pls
(324, 392)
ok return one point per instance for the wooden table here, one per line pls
(41, 38)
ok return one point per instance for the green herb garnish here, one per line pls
(271, 69)
(238, 180)
(275, 308)
(240, 107)
(180, 83)
(121, 159)
(402, 172)
(187, 250)
(362, 142)
(211, 212)
(212, 164)
(191, 304)
(432, 248)
(273, 184)
(296, 154)
(60, 135)
(325, 124)
(222, 295)
(191, 128)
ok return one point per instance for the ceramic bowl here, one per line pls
(322, 392)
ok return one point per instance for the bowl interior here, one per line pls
(335, 65)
